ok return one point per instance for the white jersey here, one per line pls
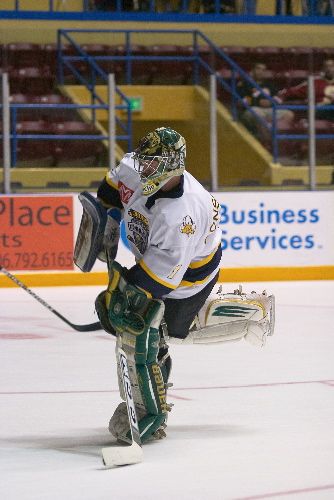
(176, 238)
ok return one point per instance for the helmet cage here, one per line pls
(155, 170)
(160, 155)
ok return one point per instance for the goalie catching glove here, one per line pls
(126, 311)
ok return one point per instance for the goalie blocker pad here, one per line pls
(89, 240)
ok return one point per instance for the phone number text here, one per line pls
(34, 260)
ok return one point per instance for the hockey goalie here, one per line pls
(171, 294)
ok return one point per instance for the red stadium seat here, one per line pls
(169, 71)
(239, 55)
(31, 80)
(223, 94)
(55, 114)
(204, 53)
(271, 56)
(40, 127)
(24, 113)
(203, 50)
(319, 56)
(50, 53)
(296, 76)
(23, 54)
(32, 153)
(51, 56)
(297, 58)
(140, 70)
(288, 149)
(21, 98)
(94, 49)
(74, 128)
(3, 61)
(324, 147)
(78, 153)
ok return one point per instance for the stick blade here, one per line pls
(122, 455)
(92, 327)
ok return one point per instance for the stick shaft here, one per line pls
(132, 414)
(84, 328)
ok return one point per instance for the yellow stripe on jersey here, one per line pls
(148, 294)
(142, 264)
(111, 183)
(192, 283)
(202, 262)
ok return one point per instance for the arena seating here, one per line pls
(21, 55)
(28, 62)
(32, 72)
(35, 153)
(78, 153)
(324, 147)
(56, 114)
(32, 79)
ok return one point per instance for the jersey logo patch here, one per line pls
(138, 229)
(124, 192)
(188, 226)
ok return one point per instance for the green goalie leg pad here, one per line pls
(147, 347)
(152, 388)
(147, 426)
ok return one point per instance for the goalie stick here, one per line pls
(125, 455)
(92, 327)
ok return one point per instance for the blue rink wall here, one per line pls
(266, 236)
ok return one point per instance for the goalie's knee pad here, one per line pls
(233, 316)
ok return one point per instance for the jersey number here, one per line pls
(174, 271)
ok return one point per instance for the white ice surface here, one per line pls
(247, 423)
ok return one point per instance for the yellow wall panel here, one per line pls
(265, 7)
(43, 5)
(250, 35)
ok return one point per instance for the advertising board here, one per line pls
(260, 230)
(36, 232)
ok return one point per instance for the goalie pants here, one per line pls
(180, 313)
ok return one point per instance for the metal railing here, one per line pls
(11, 135)
(309, 8)
(15, 136)
(95, 73)
(202, 67)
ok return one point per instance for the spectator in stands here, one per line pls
(226, 7)
(323, 88)
(318, 7)
(112, 5)
(168, 5)
(261, 107)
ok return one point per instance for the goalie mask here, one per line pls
(159, 156)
